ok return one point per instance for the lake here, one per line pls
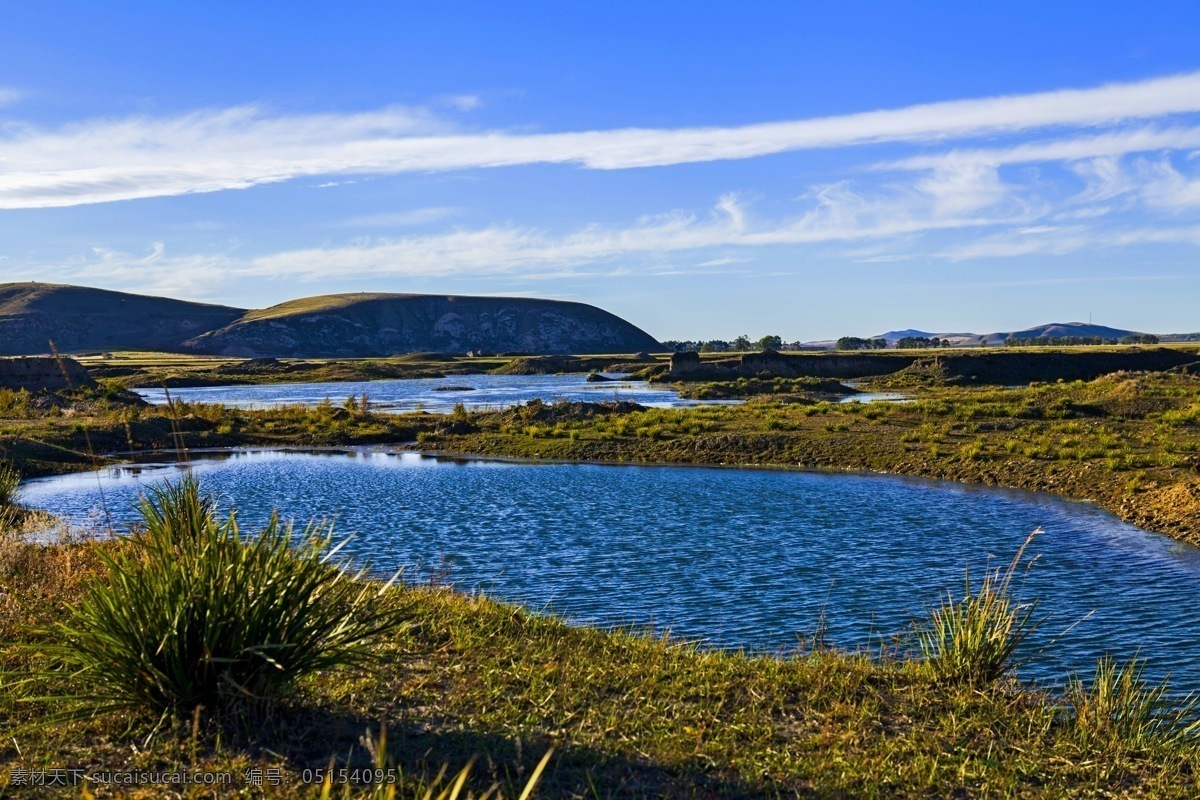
(436, 395)
(733, 557)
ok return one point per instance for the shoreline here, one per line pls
(1141, 516)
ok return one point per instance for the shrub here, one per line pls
(1121, 705)
(972, 640)
(192, 614)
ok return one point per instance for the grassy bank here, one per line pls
(627, 715)
(630, 715)
(135, 369)
(81, 429)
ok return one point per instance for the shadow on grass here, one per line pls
(308, 739)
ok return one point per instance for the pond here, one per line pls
(437, 395)
(733, 557)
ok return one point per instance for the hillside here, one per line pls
(1049, 330)
(1059, 329)
(78, 318)
(350, 325)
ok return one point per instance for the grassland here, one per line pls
(631, 715)
(628, 715)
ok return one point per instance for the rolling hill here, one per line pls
(77, 318)
(382, 324)
(80, 319)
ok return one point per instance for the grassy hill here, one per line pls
(78, 318)
(1061, 329)
(369, 324)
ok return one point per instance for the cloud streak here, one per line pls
(206, 151)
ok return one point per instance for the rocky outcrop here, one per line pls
(43, 374)
(684, 364)
(358, 325)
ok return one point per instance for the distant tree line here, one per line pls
(920, 342)
(855, 343)
(1077, 341)
(741, 344)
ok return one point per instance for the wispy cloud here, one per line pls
(1115, 143)
(835, 214)
(873, 228)
(206, 151)
(461, 102)
(9, 95)
(402, 219)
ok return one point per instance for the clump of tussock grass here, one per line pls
(193, 614)
(1122, 706)
(972, 640)
(10, 480)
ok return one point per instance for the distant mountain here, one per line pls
(77, 318)
(382, 324)
(894, 336)
(1049, 330)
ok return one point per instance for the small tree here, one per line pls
(770, 343)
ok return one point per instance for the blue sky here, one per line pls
(703, 169)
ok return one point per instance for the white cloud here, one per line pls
(9, 95)
(206, 151)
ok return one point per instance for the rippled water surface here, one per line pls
(431, 394)
(740, 558)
